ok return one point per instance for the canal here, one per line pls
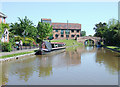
(74, 66)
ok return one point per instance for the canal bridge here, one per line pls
(85, 38)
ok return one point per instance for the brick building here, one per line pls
(64, 30)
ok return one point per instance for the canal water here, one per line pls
(74, 66)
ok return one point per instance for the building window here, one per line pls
(56, 35)
(72, 35)
(77, 35)
(62, 36)
(67, 31)
(56, 30)
(72, 30)
(62, 31)
(67, 36)
(60, 25)
(77, 31)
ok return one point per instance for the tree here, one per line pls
(24, 27)
(43, 31)
(109, 32)
(100, 29)
(83, 33)
(112, 34)
(90, 35)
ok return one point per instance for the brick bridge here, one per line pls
(83, 39)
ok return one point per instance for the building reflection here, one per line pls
(110, 60)
(44, 66)
(72, 56)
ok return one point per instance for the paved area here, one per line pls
(18, 51)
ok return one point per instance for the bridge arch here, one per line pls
(89, 42)
(85, 38)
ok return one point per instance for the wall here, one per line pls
(70, 37)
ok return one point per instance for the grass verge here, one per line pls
(16, 54)
(69, 42)
(114, 48)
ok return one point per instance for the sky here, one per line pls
(85, 13)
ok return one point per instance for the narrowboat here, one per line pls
(48, 47)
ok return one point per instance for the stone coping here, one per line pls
(15, 57)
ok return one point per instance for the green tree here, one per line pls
(109, 32)
(24, 27)
(90, 35)
(100, 29)
(43, 31)
(83, 33)
(112, 35)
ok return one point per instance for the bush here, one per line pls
(6, 47)
(18, 38)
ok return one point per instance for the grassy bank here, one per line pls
(68, 42)
(16, 54)
(114, 48)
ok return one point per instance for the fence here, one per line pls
(21, 48)
(24, 47)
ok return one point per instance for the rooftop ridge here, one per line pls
(2, 15)
(63, 23)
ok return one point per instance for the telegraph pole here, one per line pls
(67, 29)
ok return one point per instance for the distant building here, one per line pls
(46, 20)
(5, 36)
(64, 30)
(2, 17)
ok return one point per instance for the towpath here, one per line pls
(17, 51)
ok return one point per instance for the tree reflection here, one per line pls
(24, 69)
(45, 66)
(109, 59)
(4, 74)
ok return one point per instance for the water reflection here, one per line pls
(21, 68)
(109, 59)
(46, 66)
(4, 75)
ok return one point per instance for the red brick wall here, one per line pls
(70, 37)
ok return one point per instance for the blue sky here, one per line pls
(85, 13)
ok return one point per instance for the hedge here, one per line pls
(6, 47)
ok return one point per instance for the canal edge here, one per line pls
(15, 57)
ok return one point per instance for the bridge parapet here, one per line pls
(83, 39)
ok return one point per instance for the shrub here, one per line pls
(18, 38)
(6, 47)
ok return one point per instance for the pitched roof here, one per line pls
(46, 19)
(2, 15)
(64, 26)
